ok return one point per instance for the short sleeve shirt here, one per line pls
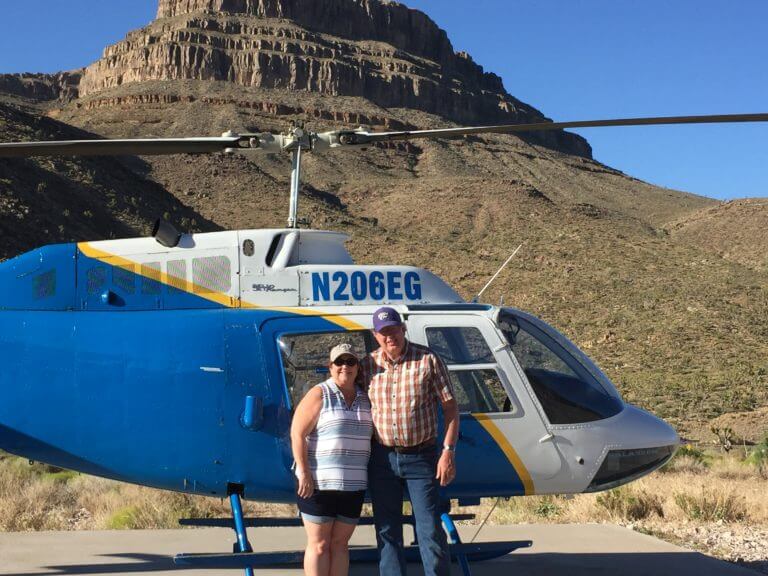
(404, 394)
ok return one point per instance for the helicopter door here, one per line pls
(296, 354)
(502, 434)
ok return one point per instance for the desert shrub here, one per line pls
(758, 457)
(124, 519)
(548, 507)
(712, 507)
(59, 476)
(628, 505)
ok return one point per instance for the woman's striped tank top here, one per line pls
(340, 445)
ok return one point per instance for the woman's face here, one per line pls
(344, 369)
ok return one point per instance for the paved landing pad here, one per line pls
(578, 550)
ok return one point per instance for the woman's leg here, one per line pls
(317, 557)
(340, 536)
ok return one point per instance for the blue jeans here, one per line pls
(388, 474)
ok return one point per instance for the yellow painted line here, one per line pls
(489, 425)
(157, 275)
(218, 297)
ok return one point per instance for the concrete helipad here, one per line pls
(577, 550)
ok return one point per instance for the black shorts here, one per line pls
(329, 505)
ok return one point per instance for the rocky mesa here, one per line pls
(391, 55)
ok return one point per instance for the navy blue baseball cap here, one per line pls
(384, 317)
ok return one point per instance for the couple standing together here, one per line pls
(392, 396)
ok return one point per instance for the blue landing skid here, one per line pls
(270, 522)
(476, 552)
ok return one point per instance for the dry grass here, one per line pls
(691, 489)
(36, 497)
(727, 488)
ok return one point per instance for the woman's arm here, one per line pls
(304, 421)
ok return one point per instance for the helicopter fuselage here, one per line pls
(179, 367)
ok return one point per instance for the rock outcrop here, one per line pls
(391, 55)
(41, 87)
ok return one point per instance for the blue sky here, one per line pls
(571, 59)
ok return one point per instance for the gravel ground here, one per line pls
(746, 546)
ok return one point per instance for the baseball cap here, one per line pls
(341, 350)
(384, 317)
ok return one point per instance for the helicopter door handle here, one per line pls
(546, 438)
(252, 417)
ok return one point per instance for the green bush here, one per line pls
(124, 519)
(548, 507)
(758, 457)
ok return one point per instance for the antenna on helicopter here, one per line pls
(508, 260)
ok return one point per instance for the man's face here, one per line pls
(392, 340)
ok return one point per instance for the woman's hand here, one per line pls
(306, 483)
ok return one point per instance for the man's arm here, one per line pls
(446, 466)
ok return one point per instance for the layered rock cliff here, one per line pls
(41, 87)
(386, 53)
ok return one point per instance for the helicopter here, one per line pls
(175, 361)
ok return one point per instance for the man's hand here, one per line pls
(446, 468)
(306, 484)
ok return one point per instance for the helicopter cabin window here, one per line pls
(211, 274)
(472, 368)
(124, 278)
(305, 357)
(568, 391)
(150, 278)
(177, 276)
(96, 279)
(44, 285)
(459, 345)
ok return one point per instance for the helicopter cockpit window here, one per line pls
(305, 357)
(568, 391)
(459, 345)
(480, 391)
(472, 368)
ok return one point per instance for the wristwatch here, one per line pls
(449, 447)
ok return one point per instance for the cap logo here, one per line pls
(383, 315)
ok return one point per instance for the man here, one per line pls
(405, 383)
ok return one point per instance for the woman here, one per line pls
(331, 441)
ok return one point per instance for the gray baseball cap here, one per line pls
(342, 350)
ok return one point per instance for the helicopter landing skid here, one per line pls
(244, 557)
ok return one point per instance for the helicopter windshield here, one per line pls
(569, 386)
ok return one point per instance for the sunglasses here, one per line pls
(345, 362)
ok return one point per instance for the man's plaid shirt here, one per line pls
(404, 394)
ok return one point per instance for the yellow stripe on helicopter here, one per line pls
(490, 427)
(187, 286)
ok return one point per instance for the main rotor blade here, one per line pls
(141, 147)
(369, 137)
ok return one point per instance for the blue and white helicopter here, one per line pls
(175, 361)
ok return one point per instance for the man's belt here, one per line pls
(418, 449)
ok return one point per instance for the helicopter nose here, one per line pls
(641, 443)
